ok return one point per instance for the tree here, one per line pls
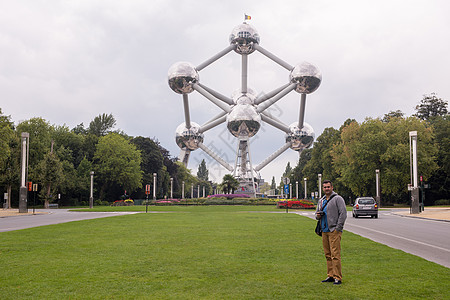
(152, 162)
(393, 114)
(6, 135)
(385, 146)
(202, 172)
(229, 184)
(50, 174)
(184, 175)
(102, 124)
(431, 106)
(83, 181)
(298, 173)
(40, 140)
(321, 161)
(9, 155)
(440, 179)
(117, 163)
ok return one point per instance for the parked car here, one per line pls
(365, 206)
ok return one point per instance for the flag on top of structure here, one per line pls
(246, 17)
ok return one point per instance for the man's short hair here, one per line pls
(327, 181)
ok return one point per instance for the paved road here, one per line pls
(429, 239)
(51, 216)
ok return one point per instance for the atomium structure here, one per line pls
(243, 111)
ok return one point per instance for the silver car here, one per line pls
(365, 206)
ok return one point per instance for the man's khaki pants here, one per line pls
(332, 248)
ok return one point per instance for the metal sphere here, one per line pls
(307, 77)
(243, 121)
(188, 138)
(300, 138)
(182, 75)
(244, 36)
(244, 98)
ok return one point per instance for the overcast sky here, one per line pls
(69, 61)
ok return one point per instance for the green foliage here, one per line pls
(273, 185)
(102, 124)
(229, 184)
(202, 173)
(430, 107)
(385, 146)
(440, 179)
(6, 137)
(393, 114)
(152, 161)
(442, 202)
(117, 161)
(50, 175)
(40, 140)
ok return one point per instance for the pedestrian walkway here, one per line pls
(13, 220)
(434, 213)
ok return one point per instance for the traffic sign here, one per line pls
(286, 180)
(286, 189)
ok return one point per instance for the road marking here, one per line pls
(400, 237)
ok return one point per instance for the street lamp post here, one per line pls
(320, 185)
(290, 191)
(377, 186)
(182, 190)
(306, 194)
(171, 188)
(414, 181)
(91, 195)
(23, 191)
(154, 187)
(296, 190)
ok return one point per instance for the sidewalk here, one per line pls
(15, 212)
(433, 213)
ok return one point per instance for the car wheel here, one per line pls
(376, 216)
(356, 215)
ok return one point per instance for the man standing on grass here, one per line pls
(332, 213)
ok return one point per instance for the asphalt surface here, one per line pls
(51, 216)
(426, 238)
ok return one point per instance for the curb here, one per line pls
(418, 217)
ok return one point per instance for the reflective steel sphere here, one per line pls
(188, 138)
(244, 36)
(243, 121)
(247, 98)
(307, 77)
(182, 75)
(301, 139)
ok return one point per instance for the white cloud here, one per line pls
(68, 61)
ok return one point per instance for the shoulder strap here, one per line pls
(328, 201)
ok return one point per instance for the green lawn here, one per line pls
(213, 252)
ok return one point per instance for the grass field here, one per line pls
(214, 252)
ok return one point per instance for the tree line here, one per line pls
(61, 160)
(350, 155)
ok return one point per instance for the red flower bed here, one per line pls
(295, 204)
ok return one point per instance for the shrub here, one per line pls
(442, 202)
(229, 196)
